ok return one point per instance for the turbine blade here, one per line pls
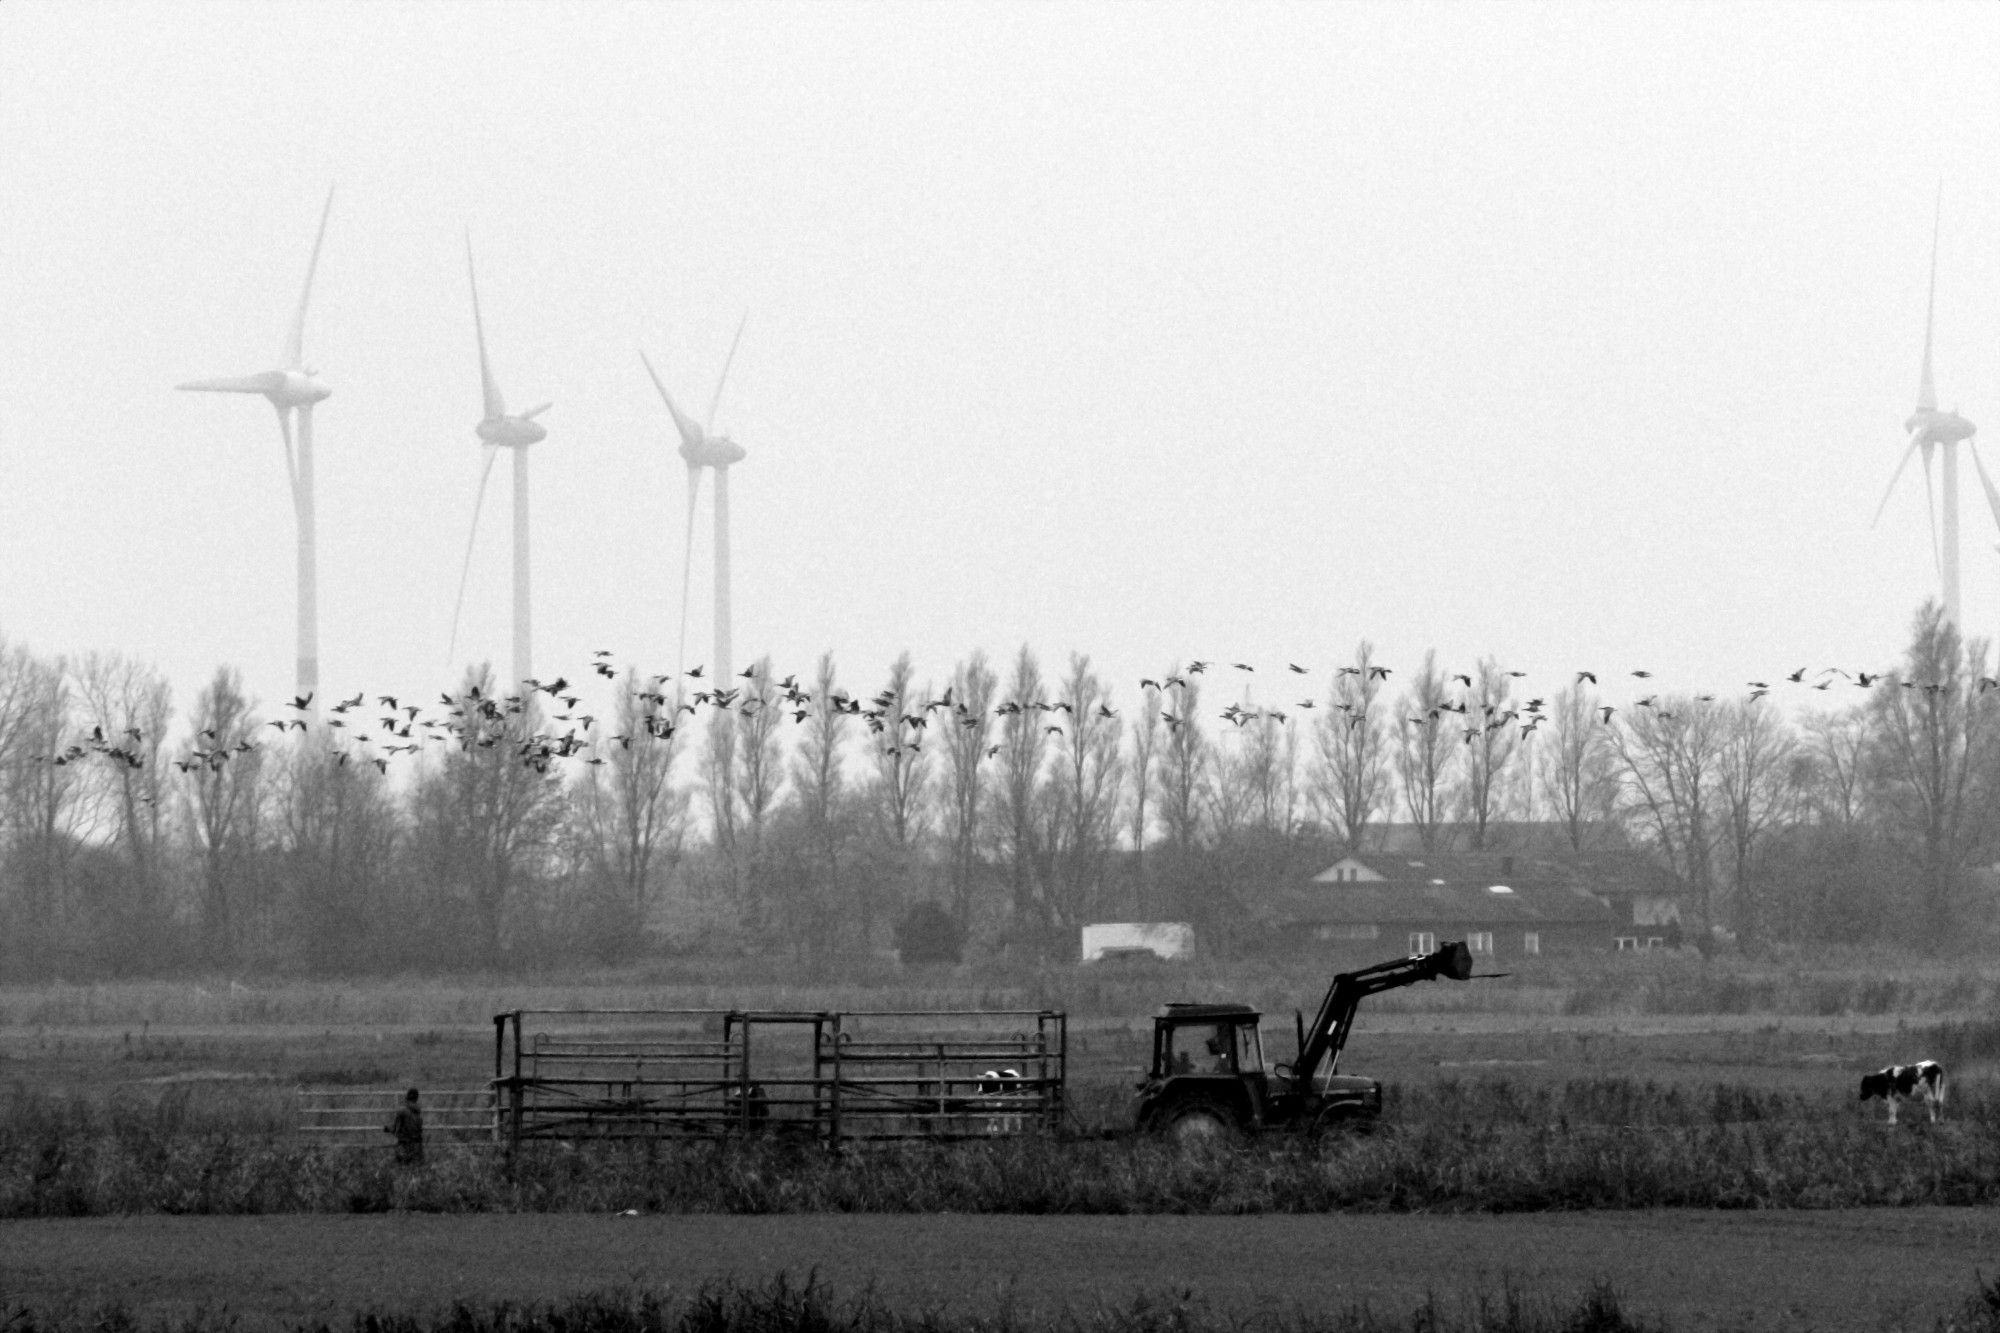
(1895, 477)
(464, 569)
(687, 571)
(495, 407)
(1926, 390)
(269, 382)
(1930, 511)
(723, 378)
(291, 459)
(1992, 495)
(295, 355)
(691, 434)
(534, 412)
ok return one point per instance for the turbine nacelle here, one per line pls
(1929, 426)
(712, 451)
(516, 432)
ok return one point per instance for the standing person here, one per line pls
(408, 1127)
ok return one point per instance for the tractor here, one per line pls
(1208, 1081)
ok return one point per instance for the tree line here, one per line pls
(1002, 807)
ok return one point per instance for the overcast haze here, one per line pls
(1578, 336)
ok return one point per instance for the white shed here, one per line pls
(1171, 940)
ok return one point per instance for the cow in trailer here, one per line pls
(998, 1089)
(1924, 1079)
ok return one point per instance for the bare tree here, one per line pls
(1491, 735)
(1668, 753)
(1755, 781)
(487, 811)
(130, 705)
(969, 703)
(1577, 767)
(337, 838)
(1018, 795)
(897, 725)
(1268, 769)
(1835, 750)
(1083, 796)
(1184, 784)
(1934, 749)
(1425, 751)
(635, 816)
(718, 771)
(45, 788)
(819, 783)
(1351, 775)
(1145, 729)
(225, 806)
(758, 762)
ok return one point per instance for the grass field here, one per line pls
(1902, 1269)
(1541, 1121)
(1605, 1086)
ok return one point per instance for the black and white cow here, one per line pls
(1923, 1079)
(997, 1088)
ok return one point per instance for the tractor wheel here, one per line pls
(1340, 1123)
(1201, 1123)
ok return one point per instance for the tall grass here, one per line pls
(1485, 1145)
(786, 1306)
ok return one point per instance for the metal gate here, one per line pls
(355, 1117)
(826, 1076)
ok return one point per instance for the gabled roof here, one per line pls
(1609, 873)
(1423, 903)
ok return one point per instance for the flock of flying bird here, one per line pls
(541, 724)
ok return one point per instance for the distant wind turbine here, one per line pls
(497, 430)
(701, 446)
(294, 388)
(1931, 431)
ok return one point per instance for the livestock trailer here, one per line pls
(825, 1076)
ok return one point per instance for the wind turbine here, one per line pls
(497, 430)
(294, 388)
(702, 447)
(1931, 431)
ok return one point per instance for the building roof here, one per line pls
(1464, 903)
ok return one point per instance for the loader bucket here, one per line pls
(1454, 960)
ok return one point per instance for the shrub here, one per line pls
(928, 934)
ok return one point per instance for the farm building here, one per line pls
(1505, 906)
(1167, 940)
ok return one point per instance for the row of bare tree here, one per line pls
(799, 818)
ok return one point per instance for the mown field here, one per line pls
(1902, 1269)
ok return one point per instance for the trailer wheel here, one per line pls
(1200, 1123)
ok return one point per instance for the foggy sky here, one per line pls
(1579, 336)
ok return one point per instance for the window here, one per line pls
(1423, 941)
(1627, 943)
(1479, 941)
(1654, 942)
(1531, 942)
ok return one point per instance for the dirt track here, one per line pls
(1867, 1270)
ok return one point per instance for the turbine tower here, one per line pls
(701, 446)
(294, 388)
(1932, 431)
(497, 430)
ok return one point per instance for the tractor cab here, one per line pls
(1207, 1039)
(1207, 1075)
